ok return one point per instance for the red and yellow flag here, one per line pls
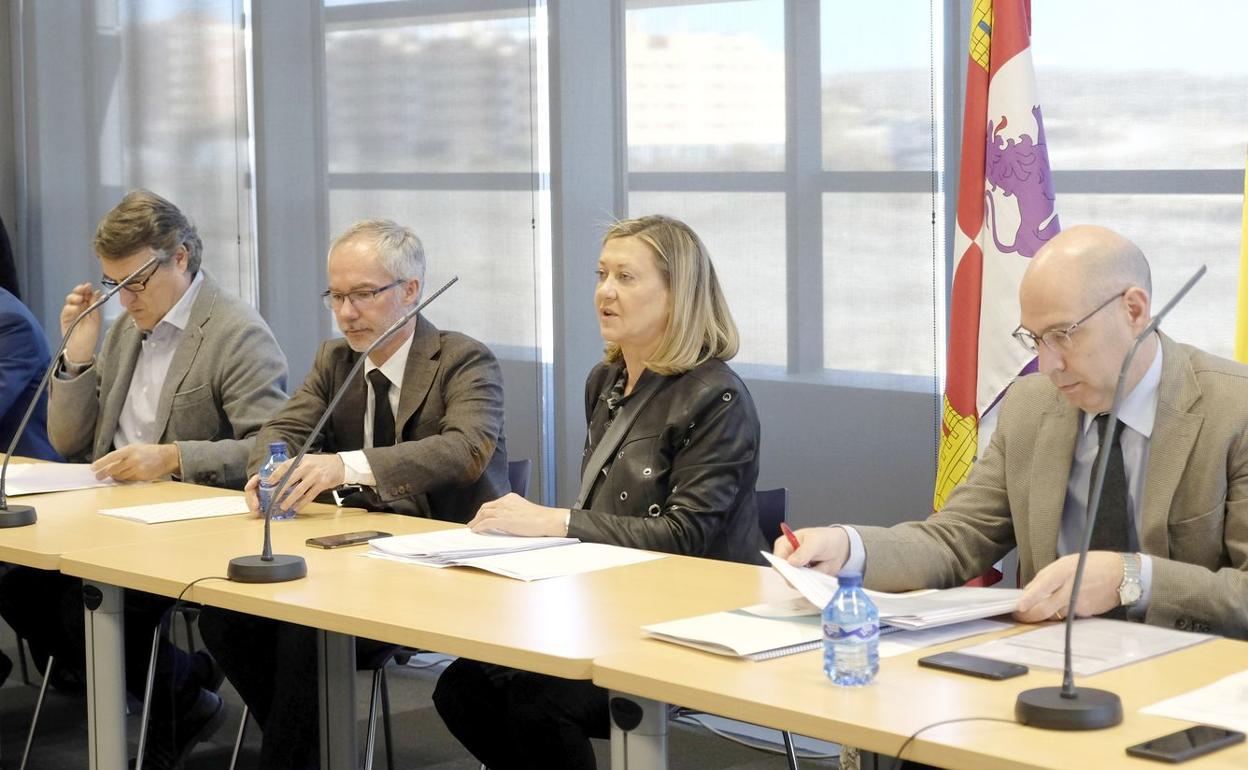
(1005, 214)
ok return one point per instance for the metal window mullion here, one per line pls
(803, 195)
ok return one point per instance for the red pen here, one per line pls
(784, 527)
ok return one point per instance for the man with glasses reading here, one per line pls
(419, 432)
(1170, 543)
(181, 385)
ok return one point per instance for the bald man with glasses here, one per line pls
(1170, 543)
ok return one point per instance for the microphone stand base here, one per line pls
(1090, 709)
(254, 569)
(17, 516)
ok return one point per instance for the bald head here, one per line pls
(1095, 261)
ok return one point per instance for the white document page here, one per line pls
(182, 510)
(572, 559)
(37, 478)
(901, 642)
(460, 543)
(1097, 644)
(741, 635)
(1223, 703)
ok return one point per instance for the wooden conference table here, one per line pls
(559, 626)
(793, 694)
(69, 522)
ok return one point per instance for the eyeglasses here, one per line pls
(360, 298)
(1057, 340)
(135, 286)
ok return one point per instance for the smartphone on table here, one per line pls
(1186, 744)
(345, 539)
(972, 665)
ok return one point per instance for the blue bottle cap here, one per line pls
(849, 579)
(277, 447)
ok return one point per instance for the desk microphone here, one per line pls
(22, 515)
(1067, 707)
(279, 568)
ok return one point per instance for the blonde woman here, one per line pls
(671, 458)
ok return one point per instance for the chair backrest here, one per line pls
(518, 474)
(773, 508)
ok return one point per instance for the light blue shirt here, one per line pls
(1137, 413)
(137, 423)
(356, 469)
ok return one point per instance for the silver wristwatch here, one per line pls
(1130, 590)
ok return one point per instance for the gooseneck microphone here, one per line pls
(1068, 707)
(279, 568)
(22, 515)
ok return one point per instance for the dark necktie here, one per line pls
(1110, 532)
(383, 418)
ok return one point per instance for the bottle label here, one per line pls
(864, 632)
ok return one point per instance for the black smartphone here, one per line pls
(1186, 744)
(961, 663)
(345, 539)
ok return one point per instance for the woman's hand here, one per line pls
(513, 515)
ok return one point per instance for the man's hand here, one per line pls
(514, 515)
(1048, 594)
(139, 462)
(315, 474)
(81, 346)
(823, 548)
(252, 492)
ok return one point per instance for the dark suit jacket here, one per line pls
(683, 477)
(451, 456)
(23, 360)
(227, 376)
(1194, 520)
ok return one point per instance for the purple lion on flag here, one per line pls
(1020, 169)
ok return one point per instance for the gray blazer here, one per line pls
(1194, 521)
(226, 377)
(451, 455)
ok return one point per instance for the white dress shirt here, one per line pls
(1137, 413)
(356, 469)
(137, 423)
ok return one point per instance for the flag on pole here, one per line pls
(1241, 320)
(1005, 214)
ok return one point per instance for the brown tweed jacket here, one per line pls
(450, 457)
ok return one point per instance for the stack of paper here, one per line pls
(766, 631)
(1223, 703)
(38, 478)
(183, 510)
(449, 546)
(522, 558)
(911, 611)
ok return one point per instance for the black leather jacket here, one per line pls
(682, 481)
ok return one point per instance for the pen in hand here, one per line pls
(788, 533)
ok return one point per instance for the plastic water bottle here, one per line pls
(851, 635)
(268, 482)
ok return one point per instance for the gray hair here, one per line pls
(399, 251)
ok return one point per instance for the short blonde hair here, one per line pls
(144, 219)
(699, 326)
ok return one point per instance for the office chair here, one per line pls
(518, 472)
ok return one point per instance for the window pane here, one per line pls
(877, 88)
(412, 95)
(706, 87)
(878, 275)
(744, 233)
(1178, 233)
(170, 78)
(486, 238)
(1142, 85)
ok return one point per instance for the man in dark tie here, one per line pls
(420, 433)
(1170, 544)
